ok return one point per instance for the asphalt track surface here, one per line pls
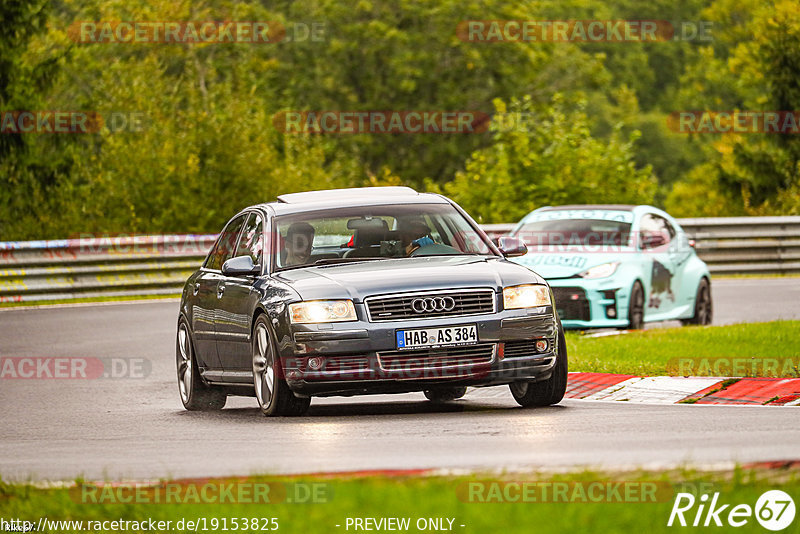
(135, 428)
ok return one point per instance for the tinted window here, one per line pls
(251, 242)
(655, 231)
(575, 232)
(223, 248)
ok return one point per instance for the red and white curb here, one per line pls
(677, 389)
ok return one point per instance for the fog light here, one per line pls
(316, 363)
(541, 345)
(611, 312)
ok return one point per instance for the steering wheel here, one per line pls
(433, 250)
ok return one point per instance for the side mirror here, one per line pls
(511, 247)
(240, 266)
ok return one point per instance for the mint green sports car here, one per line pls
(616, 266)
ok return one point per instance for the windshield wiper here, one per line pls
(330, 261)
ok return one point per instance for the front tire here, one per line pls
(195, 395)
(703, 308)
(636, 307)
(546, 392)
(272, 392)
(445, 394)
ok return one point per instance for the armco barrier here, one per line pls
(98, 266)
(153, 265)
(735, 245)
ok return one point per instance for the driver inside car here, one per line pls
(299, 239)
(415, 234)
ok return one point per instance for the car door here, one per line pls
(204, 318)
(237, 300)
(680, 252)
(656, 244)
(204, 301)
(205, 296)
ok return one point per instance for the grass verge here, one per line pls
(576, 509)
(754, 349)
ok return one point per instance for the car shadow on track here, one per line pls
(395, 408)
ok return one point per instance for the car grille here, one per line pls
(571, 303)
(398, 307)
(520, 349)
(431, 359)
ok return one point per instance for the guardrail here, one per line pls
(92, 267)
(158, 265)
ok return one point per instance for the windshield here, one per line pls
(575, 232)
(373, 232)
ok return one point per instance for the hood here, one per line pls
(362, 279)
(565, 263)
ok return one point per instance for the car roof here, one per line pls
(339, 198)
(610, 207)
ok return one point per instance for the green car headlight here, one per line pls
(600, 271)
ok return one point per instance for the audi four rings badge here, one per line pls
(432, 304)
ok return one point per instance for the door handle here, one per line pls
(220, 290)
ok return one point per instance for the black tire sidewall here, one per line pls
(282, 401)
(637, 288)
(551, 390)
(270, 409)
(201, 397)
(704, 285)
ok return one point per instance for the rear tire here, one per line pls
(703, 307)
(272, 392)
(546, 392)
(636, 307)
(195, 395)
(445, 394)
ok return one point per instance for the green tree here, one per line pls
(752, 66)
(552, 160)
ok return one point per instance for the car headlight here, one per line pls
(600, 271)
(322, 311)
(529, 296)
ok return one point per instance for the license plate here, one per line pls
(448, 336)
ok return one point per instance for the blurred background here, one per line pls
(207, 145)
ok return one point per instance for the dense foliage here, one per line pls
(190, 135)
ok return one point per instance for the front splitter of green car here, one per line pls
(582, 302)
(599, 303)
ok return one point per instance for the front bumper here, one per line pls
(362, 357)
(600, 303)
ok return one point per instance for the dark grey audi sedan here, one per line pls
(358, 291)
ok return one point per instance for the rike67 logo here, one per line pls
(774, 510)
